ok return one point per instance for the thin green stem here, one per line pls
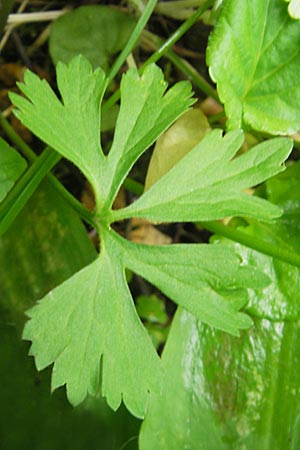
(17, 140)
(163, 49)
(84, 213)
(197, 79)
(17, 198)
(253, 242)
(184, 27)
(133, 186)
(135, 35)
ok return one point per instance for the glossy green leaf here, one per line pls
(223, 393)
(254, 57)
(208, 281)
(12, 165)
(93, 316)
(95, 31)
(206, 184)
(182, 416)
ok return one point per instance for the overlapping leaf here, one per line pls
(12, 165)
(254, 56)
(206, 184)
(98, 32)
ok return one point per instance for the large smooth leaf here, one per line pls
(223, 393)
(12, 165)
(182, 416)
(95, 31)
(206, 184)
(254, 57)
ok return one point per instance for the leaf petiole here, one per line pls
(252, 242)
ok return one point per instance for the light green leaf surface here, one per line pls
(206, 184)
(222, 393)
(95, 31)
(208, 281)
(90, 316)
(72, 127)
(254, 57)
(12, 165)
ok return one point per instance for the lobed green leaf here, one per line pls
(254, 57)
(206, 184)
(70, 126)
(208, 281)
(89, 317)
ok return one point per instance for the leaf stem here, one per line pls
(184, 27)
(132, 40)
(17, 198)
(252, 242)
(17, 140)
(133, 186)
(163, 49)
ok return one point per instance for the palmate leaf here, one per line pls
(89, 316)
(254, 57)
(73, 127)
(12, 165)
(206, 184)
(88, 326)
